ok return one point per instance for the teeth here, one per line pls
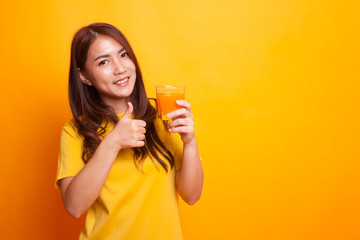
(121, 81)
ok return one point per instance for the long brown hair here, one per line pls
(89, 111)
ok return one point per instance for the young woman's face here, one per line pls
(110, 70)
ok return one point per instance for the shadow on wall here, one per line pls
(42, 213)
(62, 224)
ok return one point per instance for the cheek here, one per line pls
(130, 65)
(100, 74)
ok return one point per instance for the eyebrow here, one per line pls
(107, 55)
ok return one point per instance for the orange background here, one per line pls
(274, 86)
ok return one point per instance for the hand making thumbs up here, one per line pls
(128, 132)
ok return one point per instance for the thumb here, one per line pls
(128, 112)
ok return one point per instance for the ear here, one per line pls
(84, 78)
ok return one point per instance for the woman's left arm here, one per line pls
(189, 179)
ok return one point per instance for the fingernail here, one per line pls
(178, 101)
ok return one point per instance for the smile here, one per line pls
(121, 81)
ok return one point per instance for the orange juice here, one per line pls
(166, 99)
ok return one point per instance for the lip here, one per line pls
(122, 84)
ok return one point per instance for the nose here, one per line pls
(119, 67)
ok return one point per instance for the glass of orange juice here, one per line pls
(166, 99)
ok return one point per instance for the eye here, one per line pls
(102, 62)
(124, 54)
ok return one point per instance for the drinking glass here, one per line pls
(166, 99)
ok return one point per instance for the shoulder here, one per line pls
(70, 126)
(153, 102)
(159, 124)
(70, 129)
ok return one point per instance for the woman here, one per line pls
(118, 162)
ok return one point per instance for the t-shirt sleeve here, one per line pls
(70, 161)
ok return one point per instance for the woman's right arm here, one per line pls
(81, 191)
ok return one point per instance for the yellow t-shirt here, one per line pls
(132, 204)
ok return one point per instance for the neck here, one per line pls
(119, 105)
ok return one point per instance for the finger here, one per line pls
(141, 137)
(141, 130)
(128, 112)
(175, 118)
(140, 123)
(184, 103)
(182, 129)
(139, 144)
(181, 122)
(182, 112)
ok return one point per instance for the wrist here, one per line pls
(191, 142)
(111, 142)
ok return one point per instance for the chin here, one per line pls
(130, 90)
(127, 93)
